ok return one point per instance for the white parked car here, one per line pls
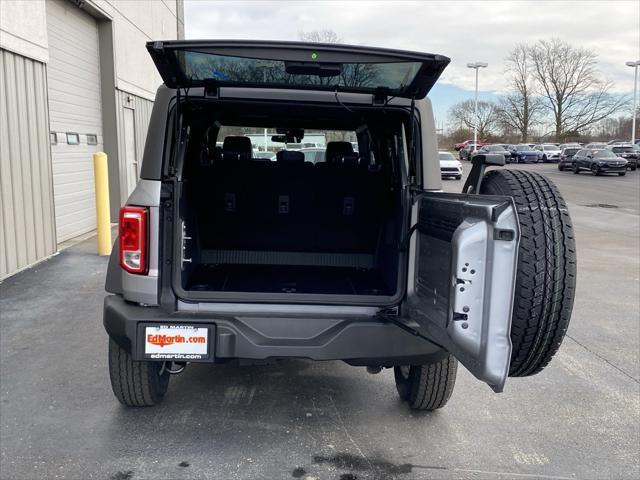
(450, 167)
(549, 152)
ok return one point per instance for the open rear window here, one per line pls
(296, 65)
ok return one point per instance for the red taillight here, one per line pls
(133, 239)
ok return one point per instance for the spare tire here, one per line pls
(546, 274)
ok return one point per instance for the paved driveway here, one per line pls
(578, 419)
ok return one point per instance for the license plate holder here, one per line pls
(176, 342)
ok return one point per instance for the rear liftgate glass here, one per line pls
(295, 65)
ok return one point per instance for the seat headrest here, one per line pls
(237, 148)
(290, 156)
(337, 150)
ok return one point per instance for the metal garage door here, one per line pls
(75, 116)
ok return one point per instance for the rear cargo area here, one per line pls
(288, 225)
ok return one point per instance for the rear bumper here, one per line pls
(358, 340)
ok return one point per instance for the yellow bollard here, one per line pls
(103, 215)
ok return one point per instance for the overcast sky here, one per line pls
(465, 31)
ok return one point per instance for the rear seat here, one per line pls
(347, 200)
(290, 204)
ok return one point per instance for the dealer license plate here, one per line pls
(176, 342)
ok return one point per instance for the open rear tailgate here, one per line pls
(297, 65)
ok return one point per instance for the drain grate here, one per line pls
(601, 205)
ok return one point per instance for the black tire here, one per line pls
(594, 170)
(459, 177)
(427, 387)
(622, 174)
(136, 384)
(575, 169)
(544, 159)
(546, 274)
(560, 167)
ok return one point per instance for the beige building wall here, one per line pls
(23, 28)
(136, 22)
(128, 84)
(27, 226)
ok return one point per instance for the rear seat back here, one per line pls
(289, 204)
(346, 201)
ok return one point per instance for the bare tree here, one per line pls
(571, 86)
(519, 110)
(462, 115)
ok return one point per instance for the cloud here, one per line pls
(463, 30)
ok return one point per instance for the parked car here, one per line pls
(570, 145)
(450, 166)
(628, 152)
(314, 155)
(595, 146)
(467, 151)
(360, 258)
(497, 149)
(461, 145)
(263, 155)
(523, 153)
(615, 141)
(549, 152)
(598, 162)
(566, 157)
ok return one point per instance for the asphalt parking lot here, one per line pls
(580, 418)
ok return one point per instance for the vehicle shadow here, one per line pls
(320, 413)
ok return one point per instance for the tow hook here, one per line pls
(178, 367)
(374, 370)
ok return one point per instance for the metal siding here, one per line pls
(142, 113)
(74, 106)
(27, 232)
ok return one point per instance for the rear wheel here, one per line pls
(427, 387)
(136, 384)
(546, 273)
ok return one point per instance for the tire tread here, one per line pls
(135, 384)
(432, 384)
(546, 277)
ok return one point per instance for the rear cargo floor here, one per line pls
(287, 279)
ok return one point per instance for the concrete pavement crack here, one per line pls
(604, 359)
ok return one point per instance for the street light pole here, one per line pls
(476, 66)
(635, 98)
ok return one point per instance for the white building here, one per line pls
(75, 78)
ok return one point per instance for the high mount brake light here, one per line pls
(133, 239)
